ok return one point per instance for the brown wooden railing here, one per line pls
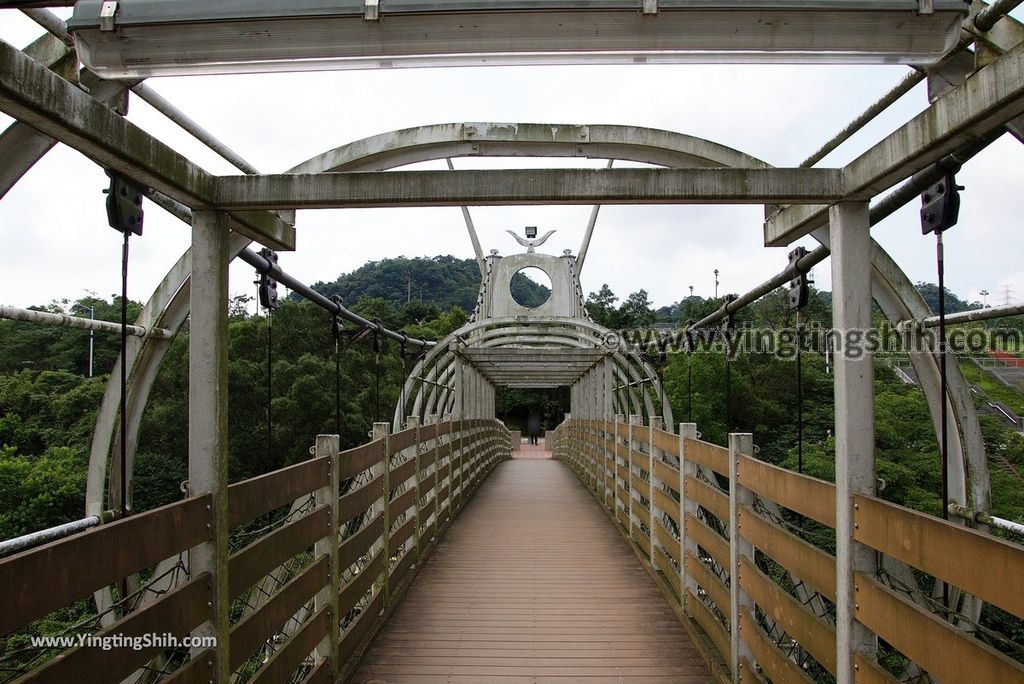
(719, 528)
(311, 585)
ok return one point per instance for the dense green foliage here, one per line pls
(48, 407)
(26, 346)
(441, 281)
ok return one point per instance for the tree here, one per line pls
(601, 306)
(636, 311)
(954, 304)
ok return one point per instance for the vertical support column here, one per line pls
(849, 231)
(607, 416)
(460, 399)
(586, 396)
(619, 420)
(435, 444)
(414, 422)
(381, 431)
(208, 418)
(584, 445)
(461, 456)
(687, 506)
(454, 427)
(656, 423)
(477, 394)
(330, 446)
(739, 443)
(634, 421)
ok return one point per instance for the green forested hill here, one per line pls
(443, 281)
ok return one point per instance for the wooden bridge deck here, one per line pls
(533, 584)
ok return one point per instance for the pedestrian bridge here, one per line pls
(437, 550)
(439, 553)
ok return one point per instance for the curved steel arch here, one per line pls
(442, 141)
(419, 399)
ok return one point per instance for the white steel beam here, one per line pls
(529, 186)
(990, 98)
(54, 107)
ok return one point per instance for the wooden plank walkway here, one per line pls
(533, 584)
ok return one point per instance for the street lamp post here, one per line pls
(716, 283)
(984, 294)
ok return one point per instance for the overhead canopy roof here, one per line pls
(532, 366)
(164, 37)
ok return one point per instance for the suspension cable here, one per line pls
(124, 375)
(336, 332)
(270, 394)
(124, 214)
(662, 359)
(799, 394)
(687, 326)
(264, 266)
(405, 372)
(376, 392)
(940, 208)
(728, 392)
(730, 330)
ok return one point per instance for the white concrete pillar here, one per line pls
(687, 505)
(849, 230)
(208, 416)
(739, 443)
(460, 389)
(634, 445)
(330, 446)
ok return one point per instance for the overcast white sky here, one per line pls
(58, 244)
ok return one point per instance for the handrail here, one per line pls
(366, 544)
(714, 569)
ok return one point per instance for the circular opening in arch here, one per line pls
(531, 287)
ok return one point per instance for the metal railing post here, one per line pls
(739, 600)
(687, 546)
(655, 424)
(619, 420)
(414, 422)
(606, 458)
(634, 420)
(453, 431)
(381, 431)
(330, 446)
(435, 443)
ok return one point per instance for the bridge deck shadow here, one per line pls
(532, 583)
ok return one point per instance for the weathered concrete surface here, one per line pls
(529, 186)
(990, 98)
(43, 100)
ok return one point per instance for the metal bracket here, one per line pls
(925, 7)
(371, 10)
(107, 12)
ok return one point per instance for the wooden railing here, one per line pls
(311, 589)
(718, 527)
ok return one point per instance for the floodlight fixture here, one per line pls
(142, 38)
